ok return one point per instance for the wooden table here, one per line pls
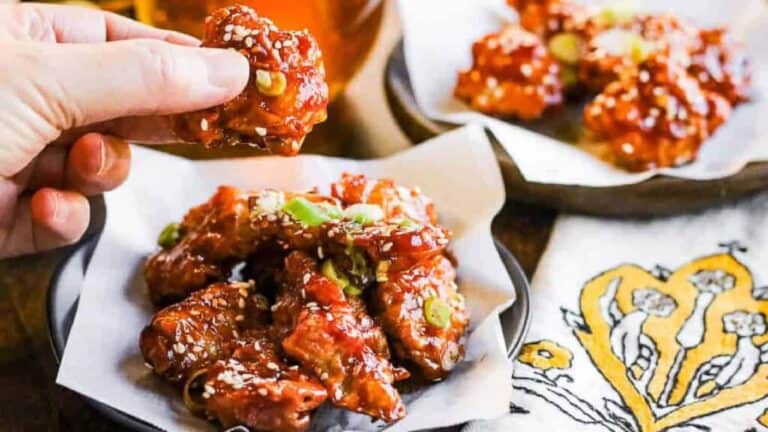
(359, 126)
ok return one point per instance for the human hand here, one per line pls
(75, 84)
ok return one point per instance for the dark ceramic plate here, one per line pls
(65, 288)
(658, 196)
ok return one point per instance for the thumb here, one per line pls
(98, 82)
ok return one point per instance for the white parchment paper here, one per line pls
(458, 170)
(438, 41)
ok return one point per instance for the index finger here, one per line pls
(75, 24)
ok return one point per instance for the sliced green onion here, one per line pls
(305, 212)
(169, 236)
(359, 264)
(568, 76)
(615, 15)
(437, 312)
(352, 290)
(330, 210)
(566, 47)
(382, 270)
(409, 224)
(639, 49)
(364, 214)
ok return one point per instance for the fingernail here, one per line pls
(60, 211)
(103, 163)
(226, 68)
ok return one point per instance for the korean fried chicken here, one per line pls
(341, 279)
(424, 315)
(512, 76)
(189, 336)
(286, 94)
(331, 335)
(655, 117)
(257, 389)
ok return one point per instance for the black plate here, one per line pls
(65, 288)
(658, 196)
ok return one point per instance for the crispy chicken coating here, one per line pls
(512, 75)
(396, 201)
(720, 65)
(212, 236)
(402, 304)
(331, 335)
(549, 17)
(234, 225)
(285, 96)
(622, 47)
(655, 117)
(257, 389)
(190, 336)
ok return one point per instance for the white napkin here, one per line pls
(438, 40)
(648, 326)
(102, 359)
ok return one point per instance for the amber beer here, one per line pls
(345, 29)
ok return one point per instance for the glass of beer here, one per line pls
(345, 29)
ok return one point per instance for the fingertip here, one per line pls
(228, 70)
(59, 217)
(98, 163)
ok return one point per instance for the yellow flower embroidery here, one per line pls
(545, 355)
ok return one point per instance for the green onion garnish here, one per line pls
(329, 271)
(437, 312)
(566, 47)
(169, 236)
(364, 214)
(306, 212)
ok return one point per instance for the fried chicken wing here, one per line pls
(257, 389)
(189, 336)
(549, 17)
(512, 75)
(720, 65)
(234, 225)
(211, 237)
(396, 201)
(620, 48)
(285, 96)
(655, 117)
(331, 336)
(424, 316)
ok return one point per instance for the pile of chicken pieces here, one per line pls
(276, 302)
(660, 86)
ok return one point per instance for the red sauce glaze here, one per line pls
(512, 75)
(285, 96)
(399, 305)
(721, 66)
(662, 34)
(549, 17)
(189, 336)
(655, 117)
(332, 337)
(396, 201)
(256, 388)
(243, 349)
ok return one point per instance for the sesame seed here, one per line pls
(324, 376)
(262, 391)
(526, 70)
(204, 124)
(227, 37)
(645, 76)
(627, 148)
(387, 247)
(249, 42)
(306, 278)
(179, 348)
(272, 366)
(239, 318)
(260, 131)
